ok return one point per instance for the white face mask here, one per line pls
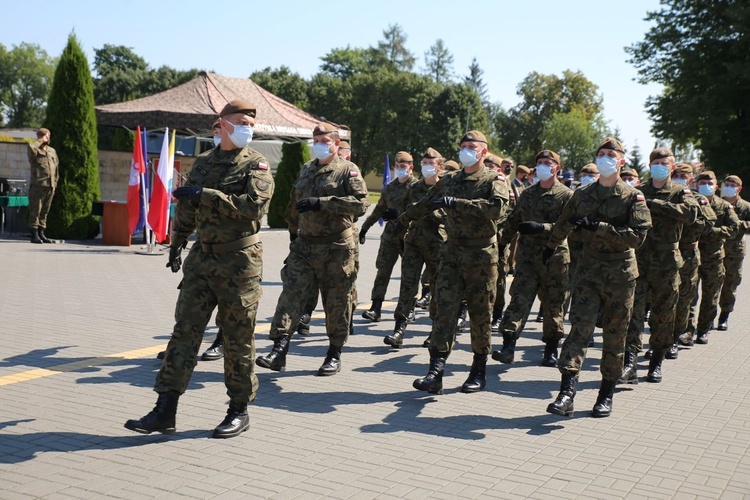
(587, 179)
(728, 191)
(321, 150)
(241, 135)
(631, 182)
(467, 157)
(401, 173)
(428, 170)
(217, 140)
(679, 180)
(606, 165)
(544, 172)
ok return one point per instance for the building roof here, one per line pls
(195, 105)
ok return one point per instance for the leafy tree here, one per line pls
(439, 62)
(574, 136)
(283, 83)
(164, 78)
(699, 50)
(476, 81)
(26, 73)
(70, 117)
(293, 156)
(344, 63)
(393, 48)
(456, 109)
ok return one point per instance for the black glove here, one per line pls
(307, 204)
(191, 192)
(175, 258)
(390, 214)
(293, 236)
(547, 254)
(443, 201)
(585, 223)
(362, 237)
(530, 227)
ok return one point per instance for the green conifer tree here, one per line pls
(293, 156)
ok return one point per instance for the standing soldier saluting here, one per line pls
(44, 176)
(614, 220)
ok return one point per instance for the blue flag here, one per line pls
(386, 179)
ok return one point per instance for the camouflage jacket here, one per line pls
(429, 225)
(727, 225)
(44, 165)
(691, 233)
(237, 186)
(736, 245)
(391, 198)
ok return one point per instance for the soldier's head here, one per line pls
(237, 120)
(452, 166)
(494, 162)
(43, 135)
(345, 150)
(707, 183)
(473, 148)
(683, 174)
(522, 173)
(433, 165)
(326, 142)
(731, 187)
(507, 165)
(547, 166)
(661, 163)
(404, 165)
(589, 174)
(610, 158)
(630, 176)
(216, 127)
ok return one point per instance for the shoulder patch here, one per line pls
(353, 173)
(686, 191)
(500, 177)
(640, 197)
(703, 201)
(512, 194)
(730, 207)
(262, 165)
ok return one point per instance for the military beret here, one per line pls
(238, 106)
(659, 153)
(683, 168)
(523, 169)
(432, 153)
(403, 156)
(611, 143)
(706, 175)
(493, 158)
(508, 160)
(590, 168)
(324, 128)
(42, 131)
(547, 153)
(473, 135)
(733, 178)
(451, 165)
(344, 145)
(626, 170)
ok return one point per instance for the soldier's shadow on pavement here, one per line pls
(142, 373)
(40, 358)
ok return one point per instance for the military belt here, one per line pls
(232, 245)
(332, 238)
(610, 256)
(473, 242)
(689, 246)
(666, 246)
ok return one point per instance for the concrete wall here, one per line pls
(13, 161)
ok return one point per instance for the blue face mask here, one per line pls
(217, 140)
(401, 173)
(659, 172)
(679, 180)
(586, 180)
(241, 135)
(544, 172)
(729, 191)
(467, 157)
(321, 151)
(429, 170)
(606, 165)
(706, 189)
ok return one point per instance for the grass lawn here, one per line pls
(374, 197)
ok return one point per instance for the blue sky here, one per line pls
(510, 39)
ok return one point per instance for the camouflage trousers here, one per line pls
(711, 272)
(331, 267)
(471, 274)
(417, 252)
(230, 281)
(732, 280)
(691, 259)
(532, 277)
(391, 248)
(616, 302)
(661, 290)
(503, 266)
(40, 201)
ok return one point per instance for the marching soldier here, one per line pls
(734, 249)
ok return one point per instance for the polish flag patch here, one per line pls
(353, 173)
(686, 191)
(731, 207)
(640, 197)
(263, 166)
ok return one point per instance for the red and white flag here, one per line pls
(137, 168)
(161, 194)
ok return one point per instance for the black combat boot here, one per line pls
(630, 371)
(648, 353)
(461, 320)
(702, 338)
(603, 405)
(686, 339)
(426, 342)
(654, 366)
(433, 381)
(424, 301)
(303, 328)
(540, 317)
(43, 237)
(235, 423)
(506, 353)
(373, 314)
(497, 316)
(396, 339)
(35, 236)
(276, 359)
(413, 313)
(550, 354)
(161, 418)
(216, 351)
(563, 405)
(477, 375)
(332, 364)
(161, 354)
(723, 321)
(672, 353)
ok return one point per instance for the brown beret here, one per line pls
(590, 168)
(344, 145)
(493, 158)
(324, 128)
(547, 153)
(611, 143)
(451, 165)
(659, 153)
(626, 170)
(473, 135)
(523, 169)
(706, 175)
(42, 131)
(683, 168)
(403, 156)
(508, 160)
(733, 178)
(238, 106)
(432, 153)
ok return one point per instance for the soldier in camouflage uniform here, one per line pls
(711, 246)
(734, 249)
(392, 239)
(474, 200)
(659, 260)
(45, 173)
(615, 219)
(328, 196)
(422, 245)
(538, 209)
(224, 201)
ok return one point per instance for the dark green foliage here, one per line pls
(70, 118)
(25, 81)
(115, 139)
(293, 156)
(283, 83)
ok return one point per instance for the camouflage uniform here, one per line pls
(532, 276)
(503, 263)
(223, 268)
(44, 176)
(711, 269)
(659, 261)
(606, 272)
(392, 239)
(734, 254)
(326, 251)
